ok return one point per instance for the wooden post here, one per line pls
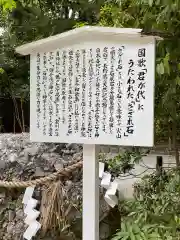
(90, 193)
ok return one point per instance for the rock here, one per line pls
(69, 184)
(13, 157)
(1, 145)
(67, 158)
(58, 148)
(10, 228)
(32, 151)
(72, 213)
(78, 156)
(2, 164)
(39, 172)
(19, 229)
(58, 166)
(72, 146)
(104, 231)
(45, 156)
(2, 195)
(1, 201)
(68, 151)
(24, 160)
(11, 215)
(46, 168)
(5, 225)
(51, 158)
(19, 214)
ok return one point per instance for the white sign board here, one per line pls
(94, 93)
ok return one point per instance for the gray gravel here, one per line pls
(22, 160)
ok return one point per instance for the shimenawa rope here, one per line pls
(64, 172)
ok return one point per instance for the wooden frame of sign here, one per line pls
(92, 86)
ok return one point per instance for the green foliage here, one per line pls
(26, 21)
(123, 162)
(80, 24)
(155, 211)
(132, 231)
(1, 70)
(160, 192)
(7, 5)
(155, 18)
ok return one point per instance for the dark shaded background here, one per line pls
(12, 110)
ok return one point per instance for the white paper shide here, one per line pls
(111, 186)
(31, 214)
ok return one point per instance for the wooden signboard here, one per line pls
(92, 85)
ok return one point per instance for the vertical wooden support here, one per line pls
(90, 193)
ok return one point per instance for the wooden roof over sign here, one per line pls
(82, 33)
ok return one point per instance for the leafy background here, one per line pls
(151, 215)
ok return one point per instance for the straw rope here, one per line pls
(64, 172)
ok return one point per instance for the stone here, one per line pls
(60, 161)
(50, 158)
(69, 184)
(5, 225)
(13, 157)
(32, 151)
(58, 166)
(24, 158)
(19, 228)
(68, 151)
(11, 215)
(2, 164)
(71, 213)
(104, 231)
(58, 148)
(39, 172)
(31, 160)
(72, 146)
(1, 145)
(19, 214)
(45, 156)
(10, 228)
(2, 195)
(67, 158)
(77, 156)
